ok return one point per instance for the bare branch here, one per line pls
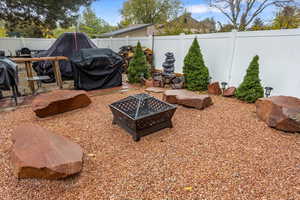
(242, 12)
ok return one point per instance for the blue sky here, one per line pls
(109, 10)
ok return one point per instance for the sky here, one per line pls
(109, 10)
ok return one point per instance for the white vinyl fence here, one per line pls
(227, 55)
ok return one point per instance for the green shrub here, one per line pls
(195, 72)
(138, 66)
(250, 89)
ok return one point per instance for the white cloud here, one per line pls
(200, 9)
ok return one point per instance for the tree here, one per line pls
(92, 25)
(58, 31)
(40, 14)
(138, 66)
(258, 24)
(2, 30)
(250, 89)
(208, 25)
(241, 13)
(177, 26)
(195, 72)
(27, 29)
(288, 17)
(149, 11)
(225, 27)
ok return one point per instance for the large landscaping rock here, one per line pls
(214, 88)
(229, 92)
(59, 101)
(280, 112)
(187, 98)
(154, 90)
(38, 153)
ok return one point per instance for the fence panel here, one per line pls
(227, 55)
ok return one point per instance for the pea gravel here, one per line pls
(222, 152)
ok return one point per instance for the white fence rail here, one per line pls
(227, 55)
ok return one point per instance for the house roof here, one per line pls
(125, 30)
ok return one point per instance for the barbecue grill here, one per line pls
(142, 114)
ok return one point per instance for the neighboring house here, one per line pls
(185, 23)
(137, 30)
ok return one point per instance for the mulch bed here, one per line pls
(222, 152)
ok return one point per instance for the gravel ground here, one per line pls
(222, 152)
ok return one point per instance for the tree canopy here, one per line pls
(40, 15)
(149, 11)
(288, 17)
(93, 25)
(2, 30)
(258, 24)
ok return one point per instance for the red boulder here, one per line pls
(280, 112)
(214, 88)
(38, 153)
(187, 98)
(59, 101)
(229, 92)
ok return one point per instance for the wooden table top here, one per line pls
(54, 58)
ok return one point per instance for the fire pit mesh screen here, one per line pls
(141, 105)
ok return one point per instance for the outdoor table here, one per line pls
(28, 67)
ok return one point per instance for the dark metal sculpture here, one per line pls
(168, 65)
(142, 114)
(168, 69)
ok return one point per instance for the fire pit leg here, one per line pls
(136, 138)
(114, 121)
(170, 124)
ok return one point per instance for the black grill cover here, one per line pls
(8, 74)
(97, 69)
(68, 44)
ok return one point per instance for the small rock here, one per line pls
(214, 88)
(229, 92)
(148, 83)
(91, 155)
(157, 83)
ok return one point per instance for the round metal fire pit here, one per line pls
(142, 114)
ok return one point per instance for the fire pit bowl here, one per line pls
(142, 114)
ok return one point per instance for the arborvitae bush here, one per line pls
(250, 89)
(138, 66)
(195, 72)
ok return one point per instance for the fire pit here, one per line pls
(142, 114)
